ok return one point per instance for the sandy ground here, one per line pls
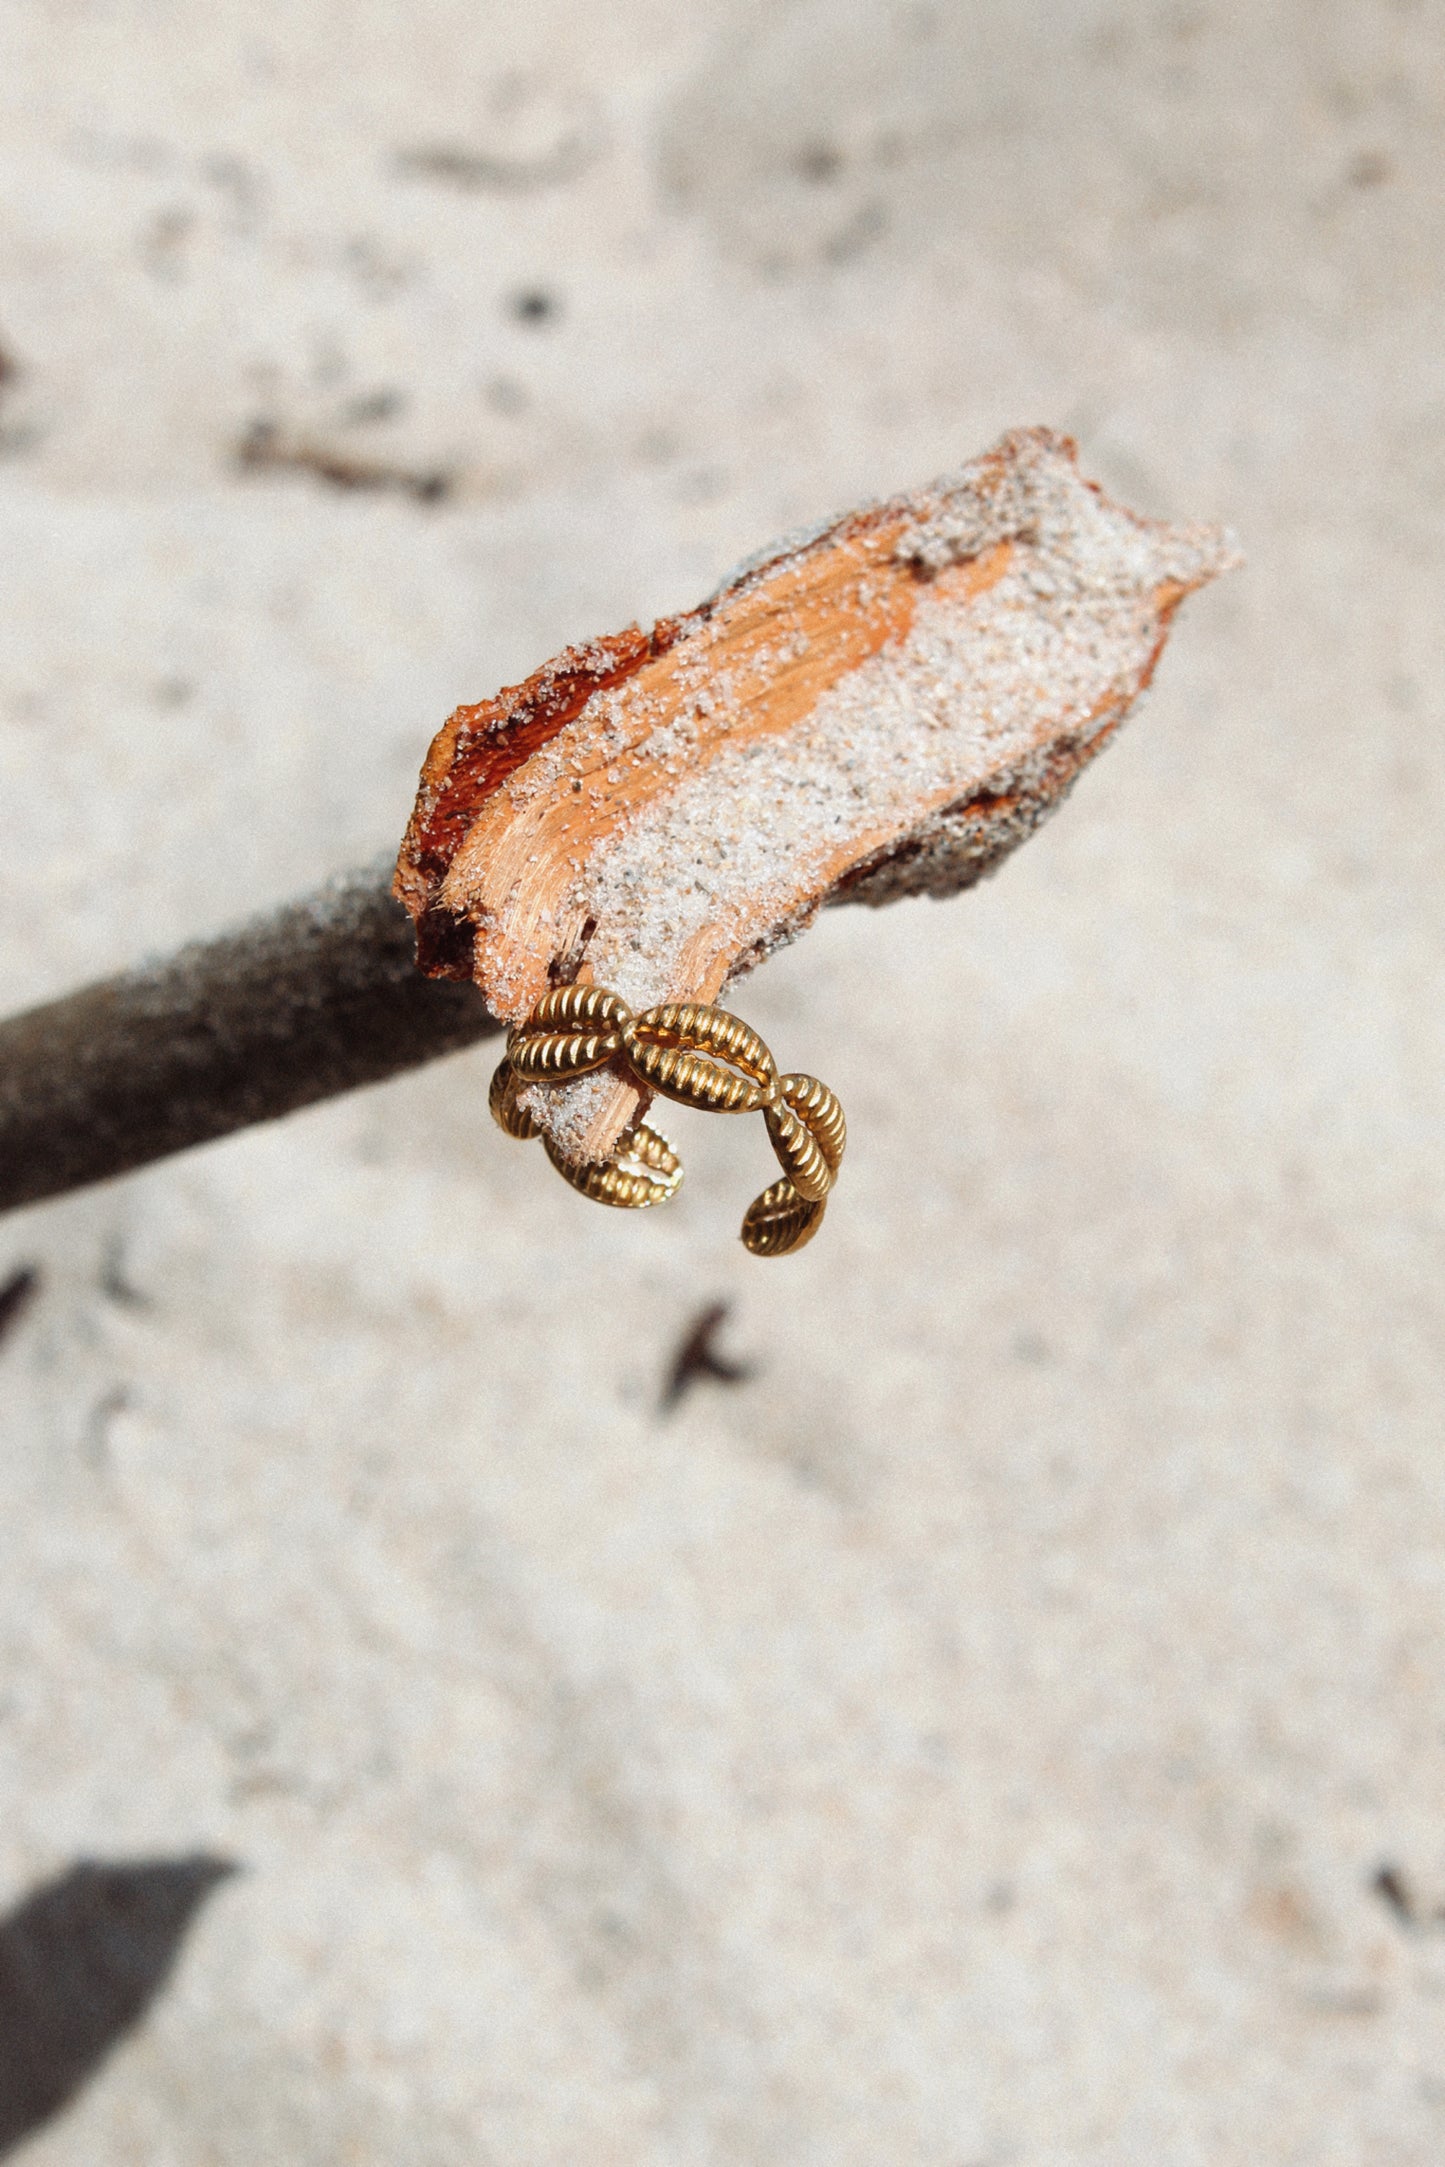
(976, 1737)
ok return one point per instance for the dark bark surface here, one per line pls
(314, 999)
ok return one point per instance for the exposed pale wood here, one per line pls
(885, 707)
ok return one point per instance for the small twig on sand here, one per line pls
(698, 1357)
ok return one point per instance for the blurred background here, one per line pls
(1003, 1720)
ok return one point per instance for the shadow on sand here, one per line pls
(81, 1960)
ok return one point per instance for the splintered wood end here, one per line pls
(885, 706)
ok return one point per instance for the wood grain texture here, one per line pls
(884, 707)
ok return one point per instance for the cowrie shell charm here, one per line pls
(701, 1056)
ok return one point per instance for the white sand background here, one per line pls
(973, 1739)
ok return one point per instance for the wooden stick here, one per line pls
(313, 1000)
(884, 707)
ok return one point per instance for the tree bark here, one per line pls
(314, 999)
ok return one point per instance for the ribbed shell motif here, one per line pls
(780, 1221)
(701, 1056)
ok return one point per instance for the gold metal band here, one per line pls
(701, 1056)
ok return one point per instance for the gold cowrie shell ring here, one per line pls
(643, 1170)
(569, 1032)
(701, 1056)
